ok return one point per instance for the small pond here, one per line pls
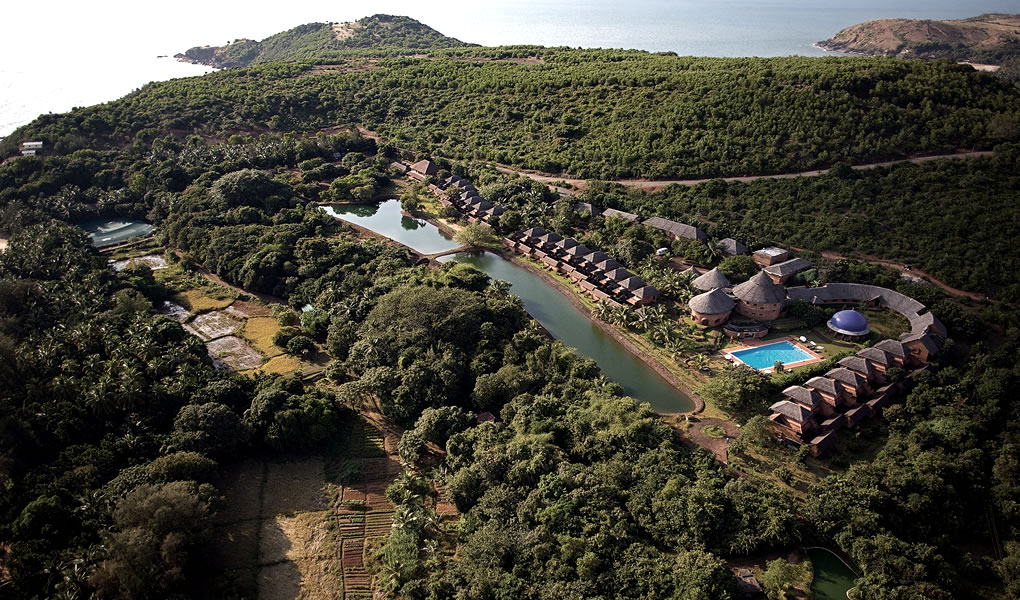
(386, 219)
(110, 232)
(832, 577)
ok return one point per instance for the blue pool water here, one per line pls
(764, 357)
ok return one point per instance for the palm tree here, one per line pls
(698, 361)
(715, 250)
(603, 311)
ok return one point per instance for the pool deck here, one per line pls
(815, 357)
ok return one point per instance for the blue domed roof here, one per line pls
(849, 322)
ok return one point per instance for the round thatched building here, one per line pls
(759, 298)
(711, 308)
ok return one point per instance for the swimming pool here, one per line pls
(765, 357)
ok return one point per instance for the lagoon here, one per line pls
(544, 303)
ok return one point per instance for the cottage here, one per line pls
(591, 260)
(711, 308)
(531, 235)
(732, 247)
(880, 359)
(632, 283)
(549, 239)
(770, 256)
(854, 384)
(822, 443)
(575, 253)
(711, 280)
(612, 213)
(566, 243)
(760, 298)
(608, 265)
(399, 167)
(782, 272)
(860, 366)
(830, 390)
(425, 167)
(792, 420)
(618, 274)
(807, 398)
(588, 208)
(898, 350)
(676, 230)
(31, 148)
(856, 416)
(643, 296)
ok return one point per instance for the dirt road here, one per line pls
(651, 185)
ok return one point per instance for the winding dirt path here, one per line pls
(651, 185)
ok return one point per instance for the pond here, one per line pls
(543, 302)
(110, 232)
(832, 577)
(386, 219)
(574, 328)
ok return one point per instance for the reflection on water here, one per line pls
(387, 219)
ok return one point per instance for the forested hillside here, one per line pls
(383, 33)
(954, 219)
(592, 114)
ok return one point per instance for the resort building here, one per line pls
(732, 247)
(782, 272)
(588, 208)
(760, 298)
(643, 296)
(854, 384)
(676, 230)
(424, 168)
(862, 367)
(711, 280)
(830, 390)
(766, 257)
(612, 213)
(711, 309)
(792, 420)
(897, 350)
(849, 325)
(881, 360)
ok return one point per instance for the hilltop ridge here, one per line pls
(989, 38)
(316, 40)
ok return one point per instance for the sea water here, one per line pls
(61, 54)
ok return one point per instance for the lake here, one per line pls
(89, 56)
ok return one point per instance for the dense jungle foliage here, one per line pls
(954, 219)
(589, 113)
(112, 438)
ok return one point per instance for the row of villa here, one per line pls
(595, 272)
(844, 397)
(468, 201)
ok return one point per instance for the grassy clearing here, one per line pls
(282, 364)
(714, 431)
(260, 331)
(200, 300)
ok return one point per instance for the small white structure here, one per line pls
(662, 252)
(31, 148)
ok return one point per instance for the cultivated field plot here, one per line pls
(216, 324)
(153, 261)
(231, 353)
(286, 530)
(245, 310)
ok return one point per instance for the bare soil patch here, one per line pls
(243, 310)
(231, 353)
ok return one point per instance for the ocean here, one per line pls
(62, 54)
